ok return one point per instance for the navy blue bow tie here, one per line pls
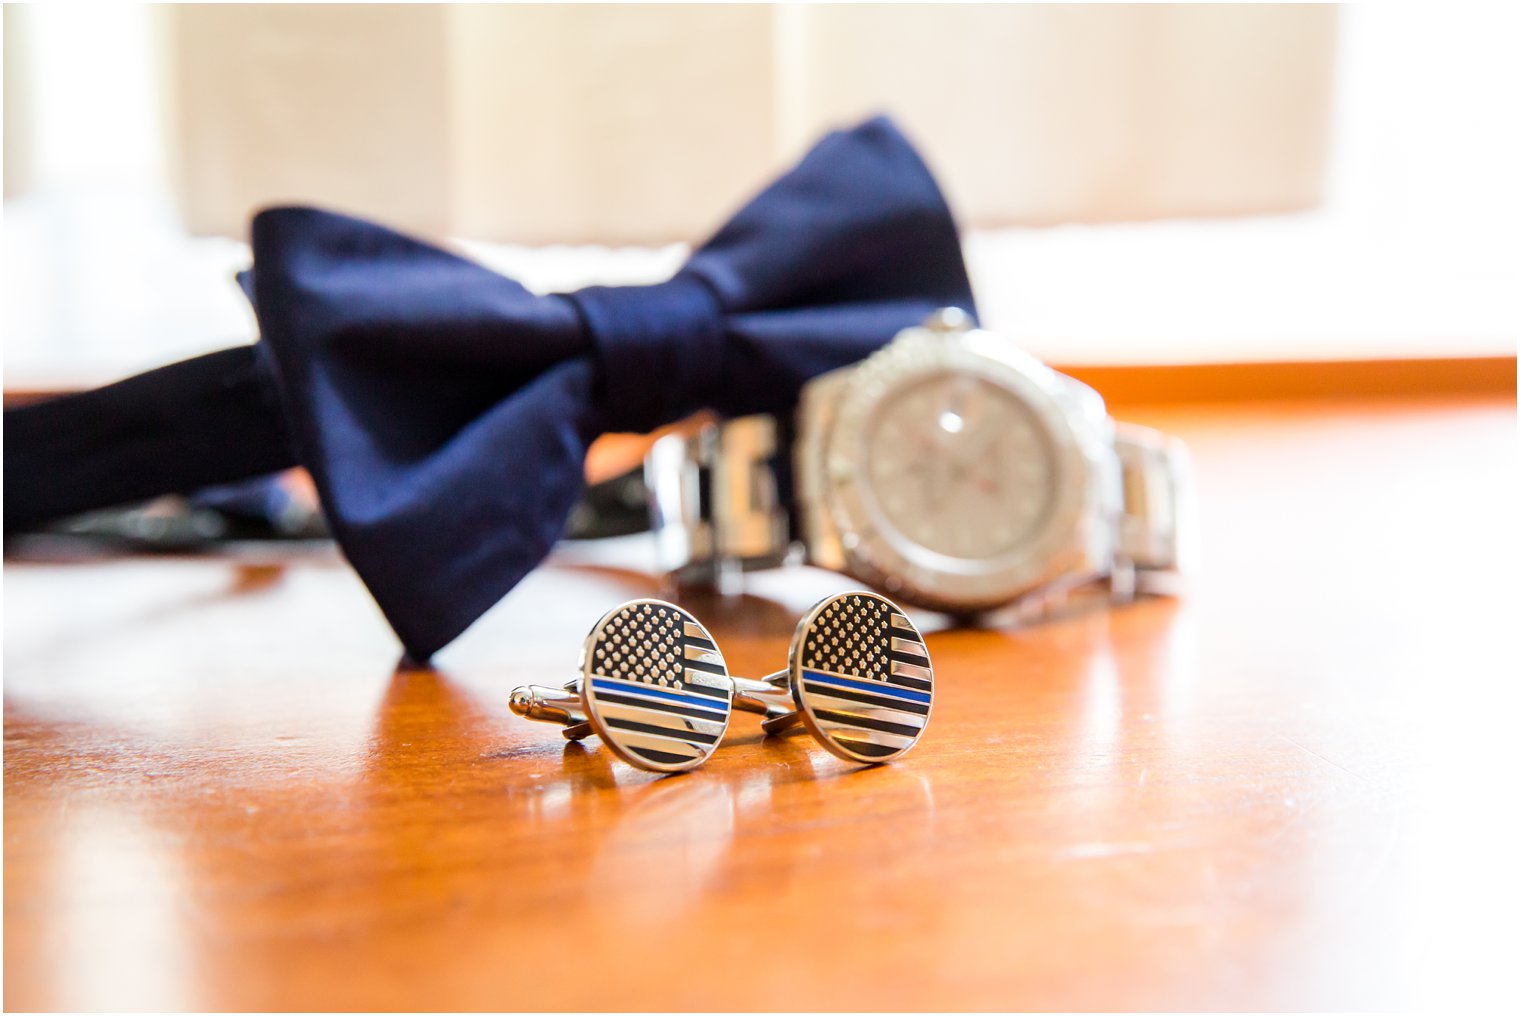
(445, 411)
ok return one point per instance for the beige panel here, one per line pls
(609, 124)
(20, 171)
(1243, 99)
(345, 106)
(544, 124)
(1045, 114)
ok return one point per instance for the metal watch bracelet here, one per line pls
(716, 507)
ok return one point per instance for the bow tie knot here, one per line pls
(659, 349)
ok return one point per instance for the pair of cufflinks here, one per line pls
(654, 687)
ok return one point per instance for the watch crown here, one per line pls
(948, 319)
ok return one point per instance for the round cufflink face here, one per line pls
(861, 677)
(655, 687)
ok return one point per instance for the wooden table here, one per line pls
(1290, 789)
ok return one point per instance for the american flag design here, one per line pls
(655, 686)
(862, 675)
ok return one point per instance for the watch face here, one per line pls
(959, 466)
(957, 474)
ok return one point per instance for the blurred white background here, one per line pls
(1138, 184)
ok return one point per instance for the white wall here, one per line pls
(84, 100)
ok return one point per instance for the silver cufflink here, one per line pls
(653, 686)
(858, 677)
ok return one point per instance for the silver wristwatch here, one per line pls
(950, 469)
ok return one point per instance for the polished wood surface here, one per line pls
(1289, 789)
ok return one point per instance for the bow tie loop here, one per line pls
(659, 349)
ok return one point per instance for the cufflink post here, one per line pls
(553, 705)
(771, 697)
